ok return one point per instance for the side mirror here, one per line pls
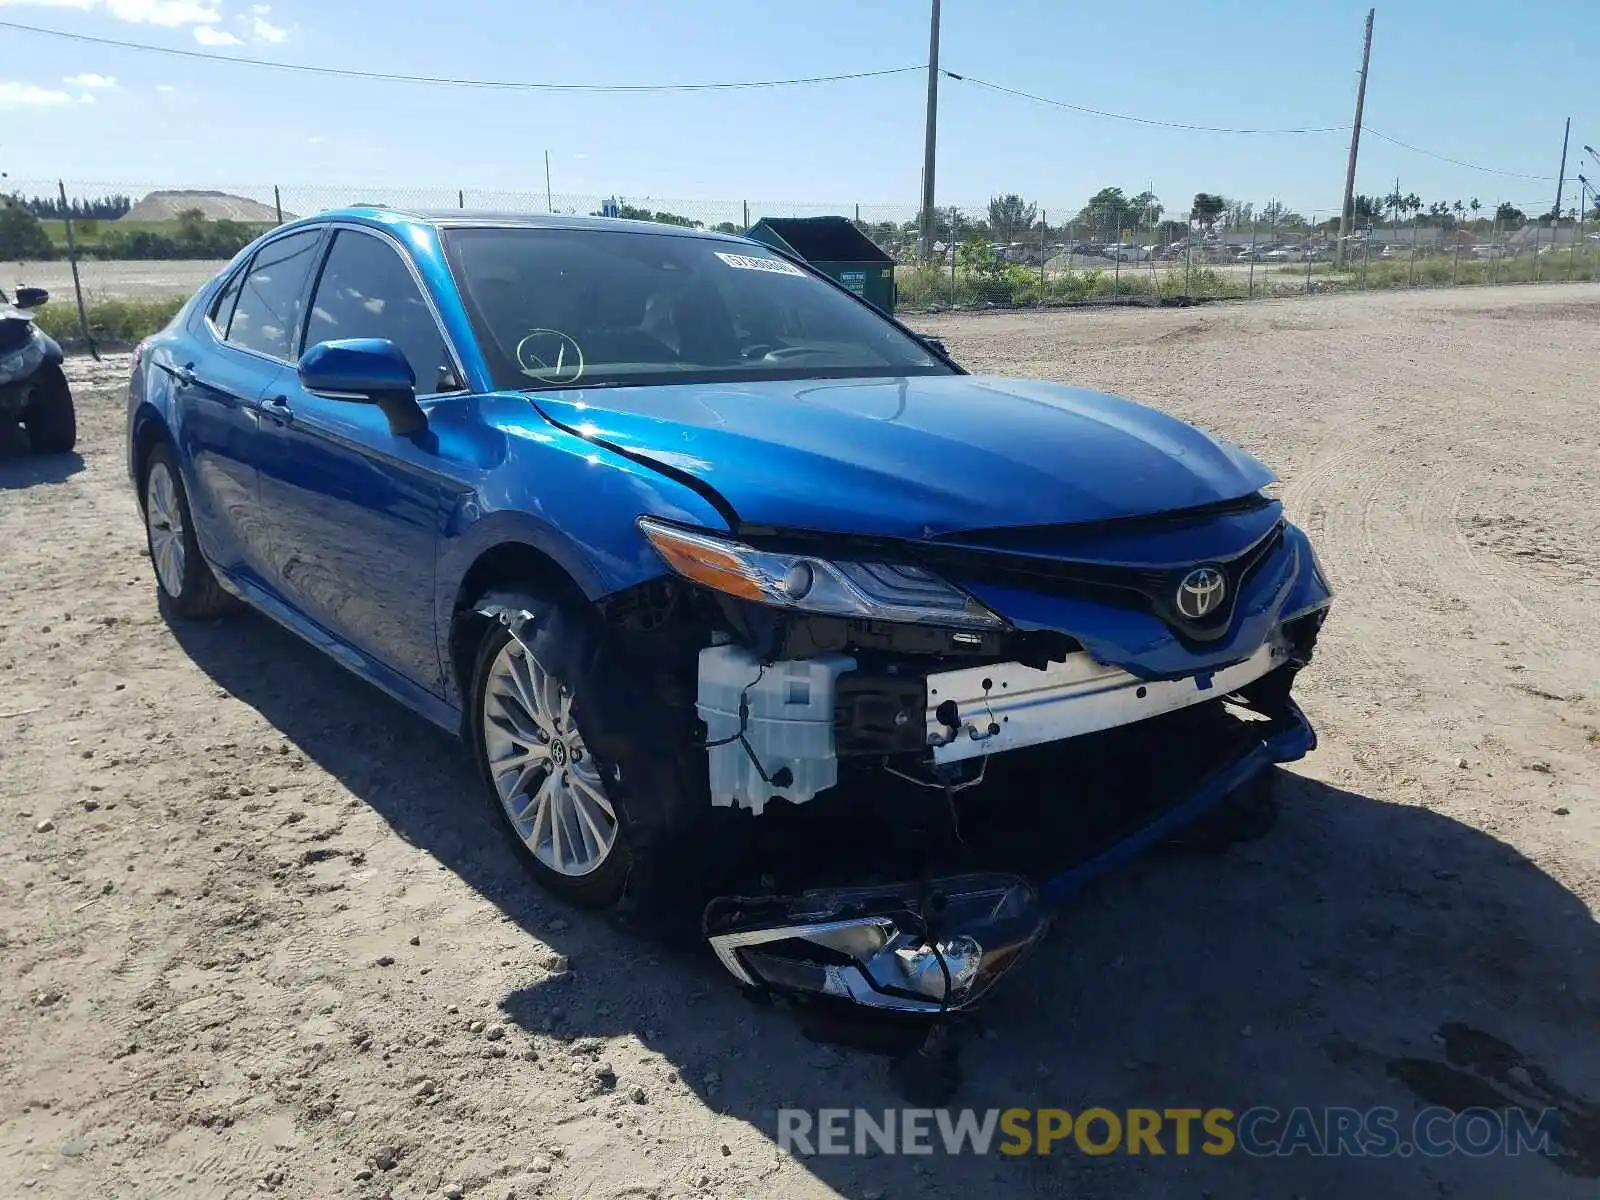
(32, 297)
(366, 371)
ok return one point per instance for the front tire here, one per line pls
(184, 581)
(577, 759)
(50, 418)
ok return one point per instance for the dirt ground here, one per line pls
(255, 937)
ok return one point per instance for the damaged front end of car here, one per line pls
(920, 746)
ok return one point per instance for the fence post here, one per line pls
(1116, 270)
(1455, 267)
(1305, 253)
(1044, 251)
(277, 203)
(461, 198)
(1577, 236)
(1071, 237)
(952, 253)
(747, 214)
(77, 285)
(1250, 287)
(1366, 255)
(1494, 249)
(1536, 228)
(1411, 272)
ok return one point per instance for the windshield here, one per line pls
(590, 307)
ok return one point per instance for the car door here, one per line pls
(356, 512)
(240, 354)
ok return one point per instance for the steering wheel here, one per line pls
(765, 350)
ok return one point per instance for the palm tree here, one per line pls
(1474, 205)
(1459, 208)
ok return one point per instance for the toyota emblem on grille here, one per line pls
(1201, 592)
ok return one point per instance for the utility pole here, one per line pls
(931, 134)
(1561, 175)
(1345, 212)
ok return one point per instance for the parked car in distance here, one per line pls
(681, 537)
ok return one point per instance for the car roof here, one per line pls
(447, 218)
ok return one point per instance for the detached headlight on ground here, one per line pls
(880, 591)
(876, 946)
(19, 364)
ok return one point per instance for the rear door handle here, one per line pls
(277, 407)
(185, 375)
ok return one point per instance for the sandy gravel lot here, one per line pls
(255, 939)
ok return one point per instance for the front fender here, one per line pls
(52, 348)
(572, 501)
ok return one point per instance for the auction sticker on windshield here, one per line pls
(745, 262)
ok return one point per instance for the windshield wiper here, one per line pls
(573, 387)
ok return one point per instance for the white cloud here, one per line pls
(208, 36)
(315, 141)
(16, 95)
(52, 3)
(165, 87)
(87, 98)
(262, 30)
(90, 80)
(173, 14)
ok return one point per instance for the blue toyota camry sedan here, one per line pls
(672, 529)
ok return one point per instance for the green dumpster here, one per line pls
(836, 248)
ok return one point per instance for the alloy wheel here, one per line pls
(163, 514)
(548, 783)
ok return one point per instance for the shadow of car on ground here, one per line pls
(20, 468)
(1365, 954)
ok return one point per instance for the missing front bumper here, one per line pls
(1007, 706)
(1046, 822)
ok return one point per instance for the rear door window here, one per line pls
(367, 291)
(266, 317)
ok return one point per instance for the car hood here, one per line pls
(912, 457)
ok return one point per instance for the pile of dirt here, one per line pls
(217, 206)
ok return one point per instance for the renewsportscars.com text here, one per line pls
(1260, 1131)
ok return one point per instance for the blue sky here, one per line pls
(1470, 80)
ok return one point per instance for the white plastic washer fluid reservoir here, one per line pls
(788, 727)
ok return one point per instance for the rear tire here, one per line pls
(50, 419)
(184, 582)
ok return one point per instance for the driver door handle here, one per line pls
(277, 407)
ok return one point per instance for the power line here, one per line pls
(1097, 112)
(1456, 161)
(501, 84)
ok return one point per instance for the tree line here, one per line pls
(94, 208)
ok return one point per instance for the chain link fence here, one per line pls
(142, 241)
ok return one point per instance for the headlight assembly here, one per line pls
(878, 591)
